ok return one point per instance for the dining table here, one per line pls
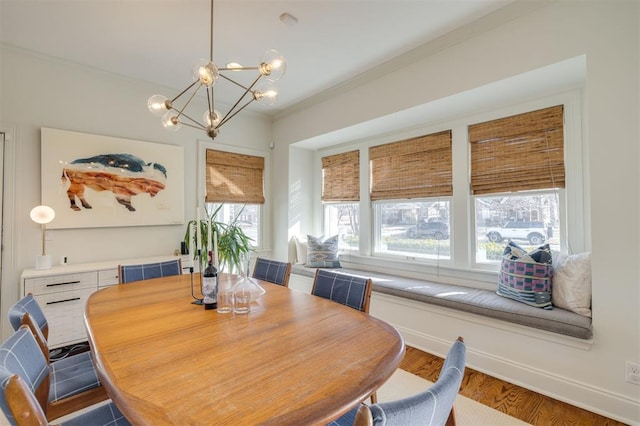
(294, 359)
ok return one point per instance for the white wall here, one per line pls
(607, 34)
(42, 92)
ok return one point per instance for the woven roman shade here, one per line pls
(234, 178)
(518, 153)
(413, 168)
(341, 177)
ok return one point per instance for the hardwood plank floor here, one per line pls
(508, 398)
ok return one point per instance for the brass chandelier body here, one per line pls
(205, 74)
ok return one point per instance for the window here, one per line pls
(414, 229)
(247, 217)
(411, 189)
(343, 219)
(517, 174)
(237, 182)
(340, 196)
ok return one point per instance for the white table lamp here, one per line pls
(43, 215)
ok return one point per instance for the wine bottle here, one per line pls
(210, 285)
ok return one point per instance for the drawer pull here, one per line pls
(68, 282)
(62, 301)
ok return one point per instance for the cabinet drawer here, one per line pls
(60, 283)
(108, 277)
(65, 314)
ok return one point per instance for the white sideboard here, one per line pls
(62, 293)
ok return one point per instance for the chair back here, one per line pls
(18, 403)
(433, 407)
(146, 271)
(272, 271)
(350, 290)
(28, 305)
(21, 356)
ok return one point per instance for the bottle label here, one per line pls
(209, 290)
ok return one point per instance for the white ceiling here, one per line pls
(158, 41)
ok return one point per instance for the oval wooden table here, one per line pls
(294, 359)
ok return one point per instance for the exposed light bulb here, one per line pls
(234, 66)
(272, 65)
(170, 121)
(158, 105)
(266, 93)
(206, 72)
(212, 118)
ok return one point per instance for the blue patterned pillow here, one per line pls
(526, 277)
(322, 254)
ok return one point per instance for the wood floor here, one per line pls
(510, 399)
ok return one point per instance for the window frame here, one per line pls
(264, 234)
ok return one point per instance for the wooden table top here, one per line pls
(294, 359)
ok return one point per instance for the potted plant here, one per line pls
(232, 241)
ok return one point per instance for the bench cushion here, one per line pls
(475, 301)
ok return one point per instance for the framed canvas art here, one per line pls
(99, 181)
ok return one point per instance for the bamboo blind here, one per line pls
(518, 153)
(413, 168)
(234, 178)
(341, 177)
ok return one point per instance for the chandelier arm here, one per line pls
(239, 69)
(181, 111)
(229, 116)
(209, 99)
(231, 112)
(198, 126)
(246, 89)
(184, 91)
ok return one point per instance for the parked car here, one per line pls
(534, 232)
(429, 229)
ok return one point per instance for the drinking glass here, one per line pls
(225, 301)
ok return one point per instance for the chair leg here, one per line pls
(374, 398)
(451, 420)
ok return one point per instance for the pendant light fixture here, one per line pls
(205, 74)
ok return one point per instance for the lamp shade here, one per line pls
(42, 214)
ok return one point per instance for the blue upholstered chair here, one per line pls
(350, 290)
(74, 382)
(272, 271)
(432, 407)
(24, 383)
(146, 271)
(28, 305)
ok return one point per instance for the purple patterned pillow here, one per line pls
(523, 279)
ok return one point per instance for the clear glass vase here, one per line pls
(247, 289)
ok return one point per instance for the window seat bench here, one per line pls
(472, 300)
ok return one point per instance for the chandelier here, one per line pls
(205, 74)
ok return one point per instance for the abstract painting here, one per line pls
(100, 181)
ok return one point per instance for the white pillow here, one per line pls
(571, 288)
(301, 251)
